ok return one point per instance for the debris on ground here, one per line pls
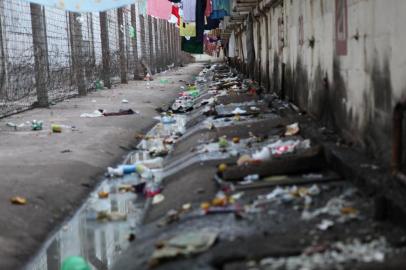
(339, 255)
(18, 200)
(184, 244)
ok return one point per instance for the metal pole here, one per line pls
(162, 43)
(122, 51)
(166, 42)
(142, 35)
(169, 43)
(156, 38)
(104, 34)
(150, 43)
(77, 55)
(173, 47)
(134, 43)
(40, 53)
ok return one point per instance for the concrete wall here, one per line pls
(350, 78)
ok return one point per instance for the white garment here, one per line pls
(231, 45)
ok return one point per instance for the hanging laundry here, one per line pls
(221, 8)
(142, 7)
(189, 10)
(200, 8)
(208, 9)
(193, 45)
(187, 29)
(83, 5)
(231, 45)
(161, 9)
(175, 17)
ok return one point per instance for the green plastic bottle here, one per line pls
(75, 263)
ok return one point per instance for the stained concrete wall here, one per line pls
(354, 92)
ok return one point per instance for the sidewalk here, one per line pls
(56, 171)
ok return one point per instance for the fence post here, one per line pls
(123, 62)
(104, 35)
(162, 43)
(163, 47)
(142, 35)
(134, 43)
(150, 41)
(174, 56)
(157, 52)
(166, 41)
(168, 44)
(177, 44)
(40, 54)
(77, 56)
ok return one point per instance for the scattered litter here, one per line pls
(369, 166)
(223, 143)
(222, 167)
(124, 101)
(18, 200)
(238, 111)
(75, 263)
(186, 207)
(337, 206)
(252, 177)
(279, 148)
(103, 194)
(158, 199)
(111, 216)
(243, 160)
(94, 114)
(184, 244)
(56, 128)
(36, 125)
(325, 224)
(313, 176)
(339, 255)
(131, 237)
(120, 112)
(167, 119)
(292, 129)
(66, 151)
(125, 188)
(163, 81)
(121, 170)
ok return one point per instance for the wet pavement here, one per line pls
(229, 179)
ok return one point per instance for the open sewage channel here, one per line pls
(262, 180)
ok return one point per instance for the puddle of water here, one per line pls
(99, 242)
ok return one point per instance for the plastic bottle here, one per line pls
(75, 263)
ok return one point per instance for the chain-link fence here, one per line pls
(47, 54)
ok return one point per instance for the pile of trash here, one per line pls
(339, 255)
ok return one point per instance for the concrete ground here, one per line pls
(56, 171)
